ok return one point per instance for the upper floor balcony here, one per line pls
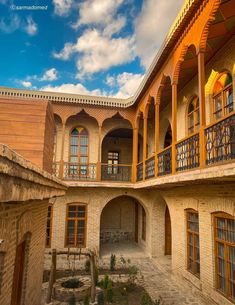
(121, 153)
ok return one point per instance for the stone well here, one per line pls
(64, 294)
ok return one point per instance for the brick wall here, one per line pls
(15, 221)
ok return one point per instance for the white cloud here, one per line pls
(97, 11)
(97, 52)
(50, 75)
(10, 25)
(65, 54)
(62, 7)
(151, 26)
(31, 27)
(72, 88)
(127, 84)
(26, 84)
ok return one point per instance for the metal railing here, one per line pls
(82, 172)
(116, 172)
(165, 161)
(150, 167)
(188, 153)
(220, 140)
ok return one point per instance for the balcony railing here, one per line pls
(150, 167)
(82, 172)
(164, 161)
(219, 146)
(188, 153)
(220, 140)
(116, 172)
(139, 171)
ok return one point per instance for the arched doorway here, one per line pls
(116, 155)
(123, 226)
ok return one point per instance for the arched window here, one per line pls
(193, 115)
(224, 228)
(222, 96)
(78, 151)
(54, 145)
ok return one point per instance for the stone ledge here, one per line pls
(20, 180)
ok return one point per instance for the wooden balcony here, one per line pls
(219, 147)
(116, 172)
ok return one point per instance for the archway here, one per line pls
(116, 152)
(123, 224)
(161, 228)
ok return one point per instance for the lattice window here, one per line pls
(222, 96)
(193, 246)
(76, 226)
(224, 226)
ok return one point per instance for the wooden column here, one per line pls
(61, 169)
(157, 126)
(99, 155)
(134, 154)
(145, 143)
(174, 126)
(202, 110)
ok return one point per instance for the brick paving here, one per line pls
(159, 282)
(156, 277)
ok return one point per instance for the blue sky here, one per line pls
(98, 47)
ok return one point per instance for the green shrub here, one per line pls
(86, 300)
(112, 262)
(96, 276)
(100, 298)
(72, 300)
(109, 292)
(106, 281)
(87, 266)
(146, 300)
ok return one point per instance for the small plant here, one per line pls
(72, 300)
(100, 298)
(86, 300)
(146, 300)
(109, 292)
(96, 276)
(132, 274)
(157, 302)
(106, 281)
(87, 266)
(112, 262)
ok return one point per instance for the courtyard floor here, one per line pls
(157, 278)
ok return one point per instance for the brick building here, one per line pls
(156, 169)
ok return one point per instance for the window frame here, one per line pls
(227, 294)
(194, 113)
(113, 167)
(143, 229)
(75, 228)
(78, 164)
(48, 245)
(223, 99)
(194, 235)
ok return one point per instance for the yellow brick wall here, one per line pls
(15, 221)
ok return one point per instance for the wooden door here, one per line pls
(167, 232)
(18, 274)
(136, 222)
